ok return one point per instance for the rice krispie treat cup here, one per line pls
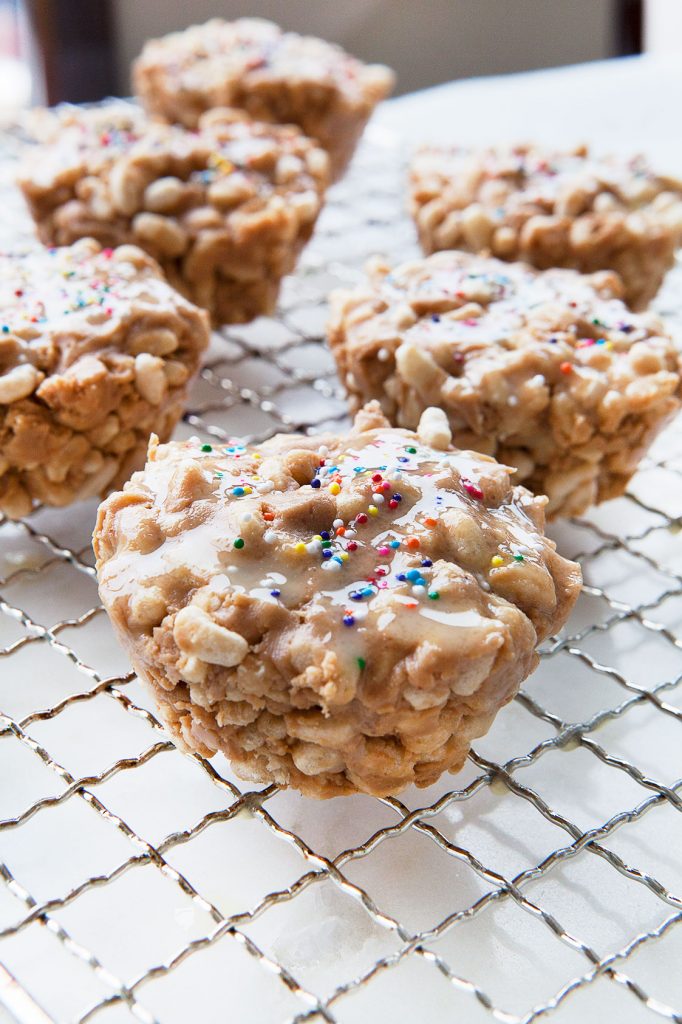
(551, 209)
(337, 614)
(276, 76)
(225, 210)
(547, 371)
(96, 352)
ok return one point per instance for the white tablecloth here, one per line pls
(629, 105)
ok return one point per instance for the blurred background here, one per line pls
(78, 50)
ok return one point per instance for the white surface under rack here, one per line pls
(542, 882)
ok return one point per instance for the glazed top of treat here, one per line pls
(529, 178)
(370, 530)
(472, 313)
(94, 134)
(248, 49)
(250, 159)
(59, 304)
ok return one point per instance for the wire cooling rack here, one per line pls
(543, 881)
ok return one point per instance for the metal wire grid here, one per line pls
(359, 903)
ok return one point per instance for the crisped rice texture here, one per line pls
(96, 352)
(225, 209)
(551, 209)
(337, 614)
(276, 76)
(548, 372)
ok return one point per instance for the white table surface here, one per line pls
(627, 105)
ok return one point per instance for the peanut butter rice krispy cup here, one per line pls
(96, 352)
(337, 614)
(551, 209)
(276, 76)
(547, 371)
(225, 209)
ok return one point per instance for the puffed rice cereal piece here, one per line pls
(547, 371)
(337, 614)
(551, 209)
(276, 76)
(225, 209)
(96, 352)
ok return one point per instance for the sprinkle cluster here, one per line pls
(506, 303)
(335, 547)
(57, 283)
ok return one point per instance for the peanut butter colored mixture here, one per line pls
(225, 209)
(548, 371)
(275, 76)
(96, 352)
(336, 614)
(551, 209)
